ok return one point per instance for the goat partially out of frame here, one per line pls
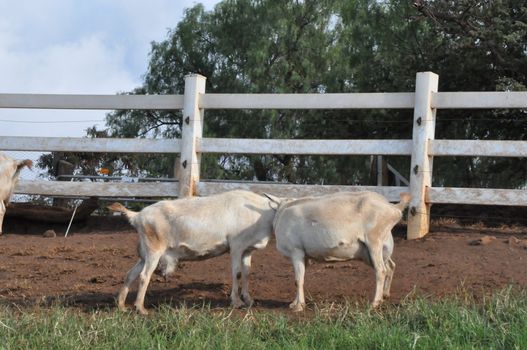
(9, 173)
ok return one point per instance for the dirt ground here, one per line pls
(86, 269)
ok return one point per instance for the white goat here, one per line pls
(198, 228)
(339, 227)
(9, 172)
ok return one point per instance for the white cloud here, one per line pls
(88, 66)
(85, 66)
(70, 43)
(77, 47)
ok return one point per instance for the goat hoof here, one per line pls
(142, 310)
(248, 300)
(296, 307)
(375, 305)
(237, 304)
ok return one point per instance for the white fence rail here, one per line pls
(108, 102)
(80, 144)
(425, 101)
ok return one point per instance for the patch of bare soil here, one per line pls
(87, 268)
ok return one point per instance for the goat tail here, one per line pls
(274, 201)
(23, 163)
(130, 214)
(405, 200)
(20, 164)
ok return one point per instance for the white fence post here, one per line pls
(192, 128)
(421, 163)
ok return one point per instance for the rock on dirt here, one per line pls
(485, 240)
(515, 242)
(49, 234)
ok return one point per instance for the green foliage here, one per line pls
(270, 46)
(482, 48)
(496, 322)
(114, 164)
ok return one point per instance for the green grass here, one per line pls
(497, 322)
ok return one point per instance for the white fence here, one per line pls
(422, 148)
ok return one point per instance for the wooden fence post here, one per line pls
(421, 163)
(192, 129)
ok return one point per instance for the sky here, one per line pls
(77, 47)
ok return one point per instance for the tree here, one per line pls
(483, 47)
(251, 46)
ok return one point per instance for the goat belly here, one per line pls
(340, 252)
(187, 252)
